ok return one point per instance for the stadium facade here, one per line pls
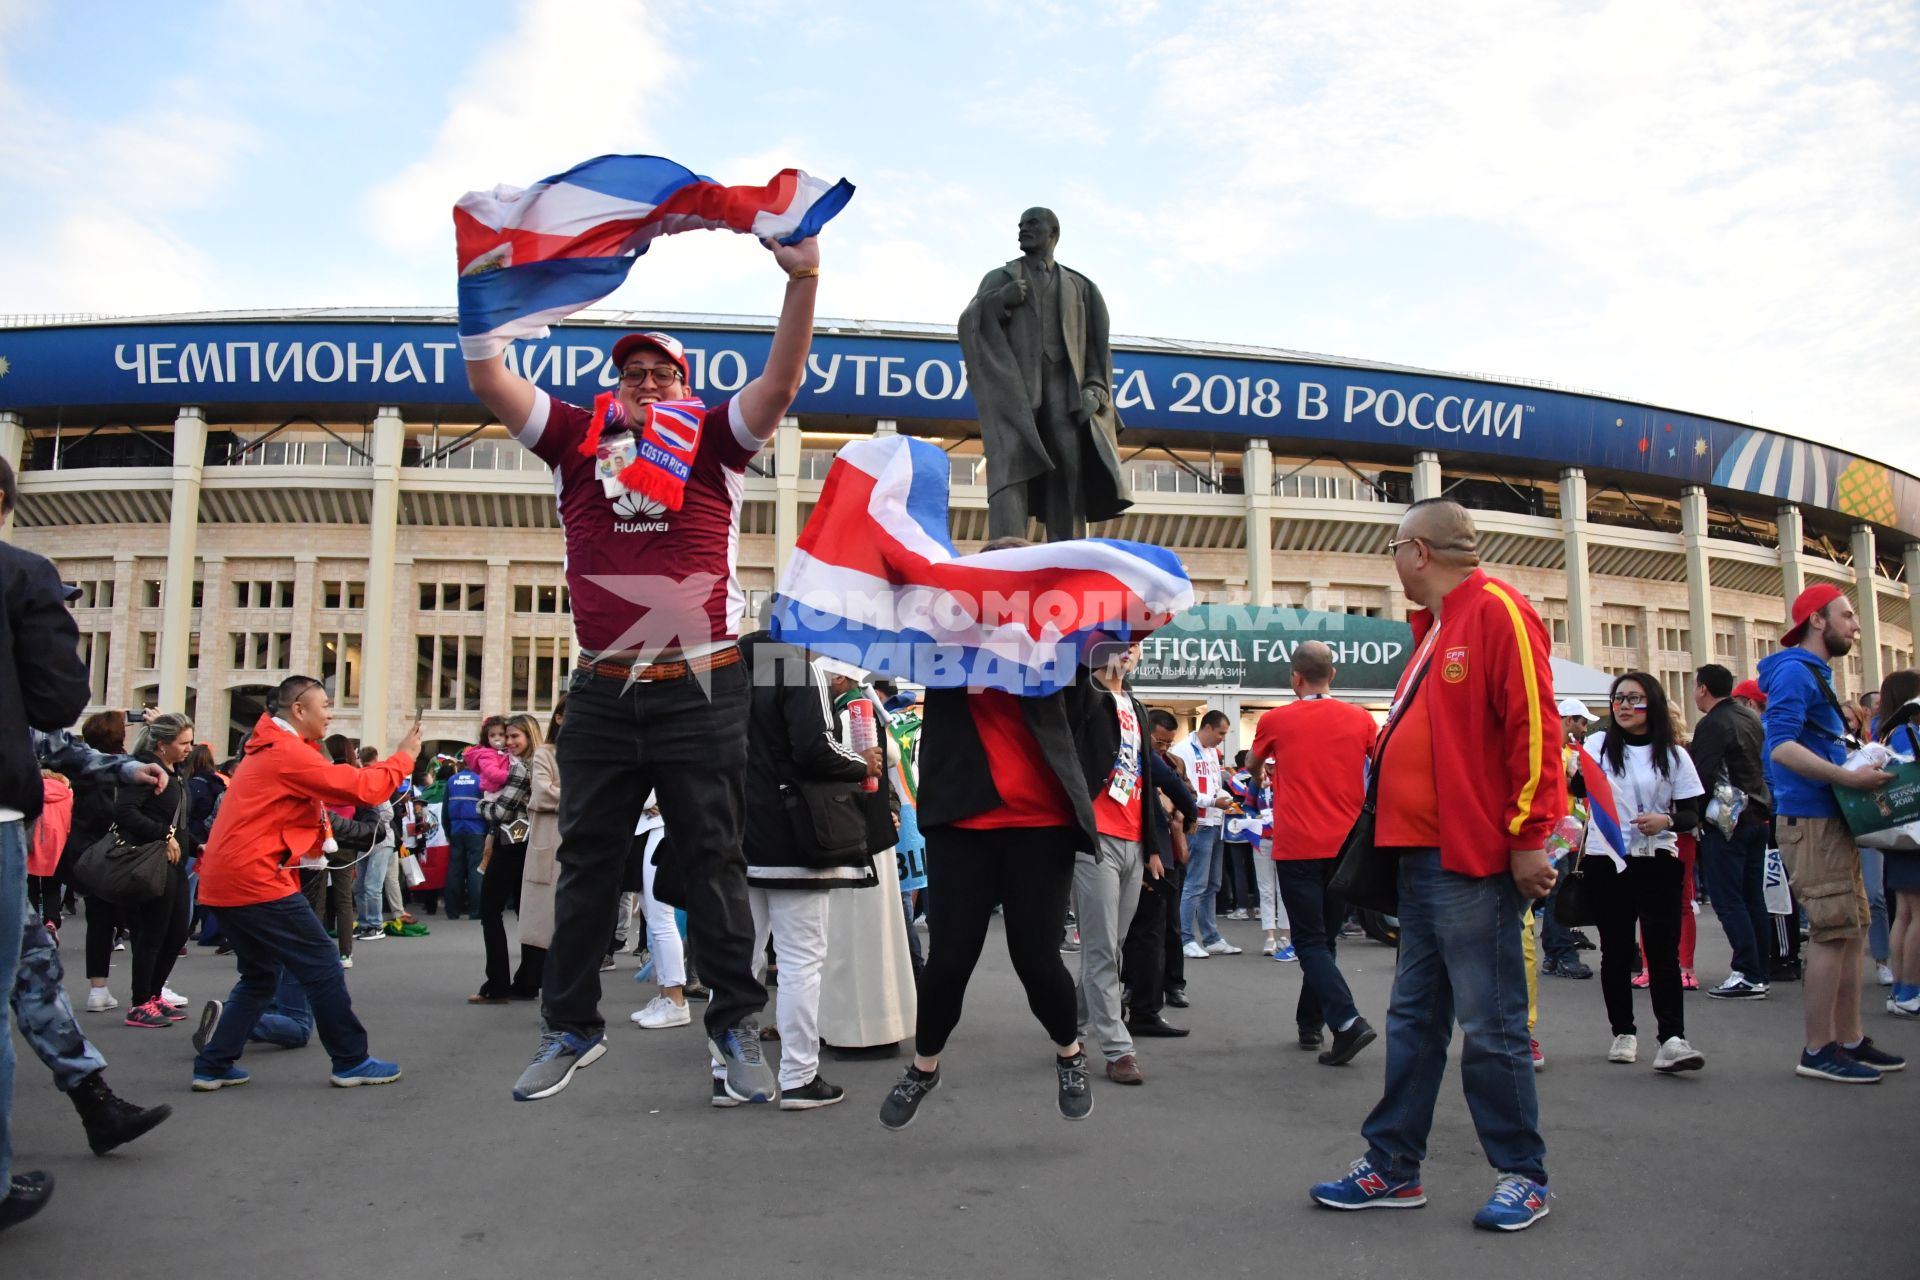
(244, 495)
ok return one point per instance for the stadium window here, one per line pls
(150, 592)
(193, 651)
(523, 598)
(343, 594)
(1559, 626)
(340, 666)
(537, 672)
(95, 648)
(447, 672)
(149, 650)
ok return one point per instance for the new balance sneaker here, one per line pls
(148, 1015)
(748, 1077)
(1677, 1055)
(1364, 1188)
(204, 1082)
(1194, 951)
(902, 1102)
(1285, 953)
(209, 1019)
(1221, 947)
(372, 1071)
(1516, 1204)
(661, 1012)
(1835, 1064)
(172, 998)
(1869, 1054)
(99, 1000)
(811, 1096)
(1737, 987)
(1625, 1049)
(1076, 1100)
(561, 1053)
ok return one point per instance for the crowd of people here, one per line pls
(741, 808)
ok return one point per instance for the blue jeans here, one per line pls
(13, 919)
(288, 1021)
(1316, 917)
(464, 851)
(1735, 870)
(1203, 882)
(45, 1016)
(1873, 873)
(269, 938)
(369, 891)
(1460, 955)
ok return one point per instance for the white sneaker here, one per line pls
(1885, 976)
(99, 1000)
(1221, 947)
(1677, 1055)
(174, 998)
(1194, 951)
(1898, 1008)
(346, 962)
(1736, 987)
(1268, 947)
(1625, 1049)
(660, 1013)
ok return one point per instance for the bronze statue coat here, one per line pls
(1005, 365)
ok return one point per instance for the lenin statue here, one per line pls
(1035, 340)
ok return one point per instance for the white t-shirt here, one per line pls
(1640, 788)
(1206, 771)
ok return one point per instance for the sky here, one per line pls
(1714, 207)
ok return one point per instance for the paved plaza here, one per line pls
(1743, 1170)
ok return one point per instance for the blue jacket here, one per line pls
(461, 811)
(1799, 711)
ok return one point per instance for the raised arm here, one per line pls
(765, 400)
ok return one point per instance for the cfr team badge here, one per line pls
(1454, 665)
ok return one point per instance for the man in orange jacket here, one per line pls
(272, 821)
(1476, 706)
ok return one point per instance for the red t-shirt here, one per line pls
(1030, 793)
(643, 577)
(1408, 810)
(1116, 810)
(1319, 751)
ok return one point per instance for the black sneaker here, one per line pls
(1568, 968)
(813, 1094)
(209, 1019)
(1581, 942)
(1177, 997)
(1076, 1100)
(902, 1103)
(27, 1194)
(721, 1098)
(1348, 1044)
(1310, 1039)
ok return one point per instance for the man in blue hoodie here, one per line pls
(1806, 751)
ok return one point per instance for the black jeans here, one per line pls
(1030, 874)
(1735, 870)
(500, 889)
(159, 931)
(103, 919)
(1316, 916)
(1143, 960)
(1648, 891)
(669, 737)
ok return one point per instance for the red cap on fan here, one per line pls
(1805, 605)
(1750, 690)
(666, 344)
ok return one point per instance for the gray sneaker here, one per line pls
(561, 1053)
(748, 1077)
(1076, 1101)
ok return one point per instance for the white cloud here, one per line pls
(549, 86)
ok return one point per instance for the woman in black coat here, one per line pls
(160, 926)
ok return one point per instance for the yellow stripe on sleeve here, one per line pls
(1536, 730)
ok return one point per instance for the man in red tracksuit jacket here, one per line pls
(1474, 718)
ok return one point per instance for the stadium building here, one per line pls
(243, 495)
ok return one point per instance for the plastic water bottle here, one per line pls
(864, 732)
(1565, 838)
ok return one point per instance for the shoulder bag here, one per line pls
(126, 874)
(1367, 876)
(828, 819)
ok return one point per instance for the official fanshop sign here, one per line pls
(1223, 647)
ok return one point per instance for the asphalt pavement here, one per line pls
(1741, 1170)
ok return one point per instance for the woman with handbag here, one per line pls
(144, 817)
(505, 811)
(1657, 795)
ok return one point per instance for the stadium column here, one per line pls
(176, 599)
(1792, 536)
(1913, 599)
(1256, 470)
(1867, 603)
(383, 536)
(786, 493)
(13, 443)
(495, 689)
(1427, 481)
(1693, 529)
(1573, 521)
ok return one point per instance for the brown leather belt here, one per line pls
(612, 670)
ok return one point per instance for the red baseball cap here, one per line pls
(1750, 690)
(666, 344)
(1805, 605)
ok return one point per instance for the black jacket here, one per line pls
(43, 683)
(1167, 779)
(791, 737)
(144, 815)
(1096, 737)
(1732, 736)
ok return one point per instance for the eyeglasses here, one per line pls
(1633, 701)
(1394, 545)
(641, 374)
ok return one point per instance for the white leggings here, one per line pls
(663, 935)
(1273, 912)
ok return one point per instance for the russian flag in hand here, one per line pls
(1602, 811)
(531, 256)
